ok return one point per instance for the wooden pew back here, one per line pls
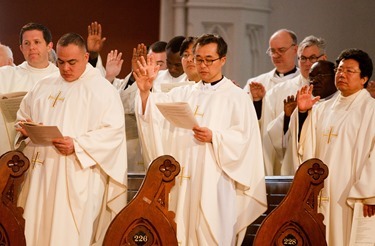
(146, 220)
(296, 220)
(13, 165)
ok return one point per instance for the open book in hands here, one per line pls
(10, 103)
(41, 134)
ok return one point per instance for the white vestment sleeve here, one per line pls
(275, 130)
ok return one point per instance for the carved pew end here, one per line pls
(295, 221)
(146, 219)
(13, 165)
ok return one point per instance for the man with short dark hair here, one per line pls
(77, 183)
(341, 133)
(35, 45)
(322, 77)
(174, 72)
(220, 189)
(158, 49)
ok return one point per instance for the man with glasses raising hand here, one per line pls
(220, 189)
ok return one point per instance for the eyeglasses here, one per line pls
(347, 71)
(279, 51)
(206, 62)
(312, 58)
(186, 56)
(319, 77)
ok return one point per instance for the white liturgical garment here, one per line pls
(13, 79)
(221, 188)
(70, 200)
(341, 133)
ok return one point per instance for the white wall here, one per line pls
(342, 23)
(246, 25)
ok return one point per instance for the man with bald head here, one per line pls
(6, 56)
(310, 50)
(283, 53)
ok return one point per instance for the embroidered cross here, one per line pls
(57, 98)
(330, 135)
(182, 176)
(36, 160)
(322, 199)
(140, 163)
(196, 112)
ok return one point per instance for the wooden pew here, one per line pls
(276, 187)
(296, 220)
(13, 165)
(146, 220)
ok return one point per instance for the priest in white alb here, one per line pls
(221, 188)
(310, 50)
(35, 44)
(341, 133)
(77, 184)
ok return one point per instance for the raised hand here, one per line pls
(95, 42)
(257, 91)
(290, 103)
(146, 73)
(144, 77)
(305, 101)
(140, 51)
(113, 65)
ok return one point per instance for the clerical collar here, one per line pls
(213, 83)
(287, 73)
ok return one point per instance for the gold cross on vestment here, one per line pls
(322, 199)
(140, 163)
(196, 112)
(57, 98)
(182, 176)
(36, 160)
(329, 135)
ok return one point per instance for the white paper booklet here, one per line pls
(10, 103)
(41, 134)
(363, 228)
(179, 114)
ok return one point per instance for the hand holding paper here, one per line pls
(41, 134)
(362, 227)
(202, 134)
(64, 145)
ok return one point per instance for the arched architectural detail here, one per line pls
(242, 23)
(256, 46)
